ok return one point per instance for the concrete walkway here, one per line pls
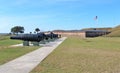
(26, 63)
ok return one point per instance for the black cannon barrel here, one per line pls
(34, 37)
(29, 37)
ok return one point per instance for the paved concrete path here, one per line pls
(26, 63)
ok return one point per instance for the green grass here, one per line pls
(115, 32)
(75, 55)
(8, 53)
(6, 41)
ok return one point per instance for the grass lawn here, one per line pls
(91, 55)
(6, 41)
(8, 53)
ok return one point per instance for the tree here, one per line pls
(37, 30)
(17, 29)
(30, 32)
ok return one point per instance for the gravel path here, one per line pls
(26, 63)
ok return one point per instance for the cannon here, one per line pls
(51, 35)
(29, 37)
(35, 38)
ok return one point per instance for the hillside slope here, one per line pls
(115, 32)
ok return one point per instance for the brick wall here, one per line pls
(80, 34)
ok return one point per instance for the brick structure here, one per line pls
(82, 34)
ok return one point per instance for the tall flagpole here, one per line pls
(96, 20)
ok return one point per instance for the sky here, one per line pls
(50, 15)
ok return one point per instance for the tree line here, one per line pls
(20, 29)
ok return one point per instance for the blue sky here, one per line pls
(58, 14)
